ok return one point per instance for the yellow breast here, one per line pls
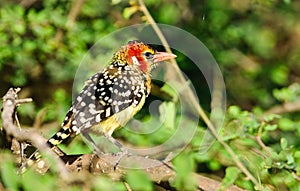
(118, 120)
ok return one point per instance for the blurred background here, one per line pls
(255, 42)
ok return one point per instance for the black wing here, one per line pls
(106, 93)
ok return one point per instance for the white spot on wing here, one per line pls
(79, 99)
(108, 82)
(107, 113)
(98, 118)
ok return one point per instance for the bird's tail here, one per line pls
(63, 134)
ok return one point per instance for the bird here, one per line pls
(112, 96)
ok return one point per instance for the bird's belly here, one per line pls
(117, 120)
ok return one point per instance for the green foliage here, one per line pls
(166, 11)
(28, 110)
(28, 181)
(231, 175)
(128, 11)
(57, 108)
(288, 94)
(50, 181)
(168, 114)
(138, 180)
(184, 166)
(8, 173)
(276, 155)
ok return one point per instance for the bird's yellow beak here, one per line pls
(162, 56)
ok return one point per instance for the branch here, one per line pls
(27, 3)
(208, 184)
(10, 102)
(74, 12)
(97, 164)
(105, 164)
(193, 99)
(284, 108)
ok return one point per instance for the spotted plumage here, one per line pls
(111, 97)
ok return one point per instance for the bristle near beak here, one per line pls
(162, 56)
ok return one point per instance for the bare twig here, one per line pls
(296, 176)
(193, 99)
(127, 186)
(10, 102)
(74, 12)
(210, 184)
(2, 187)
(39, 118)
(263, 146)
(25, 100)
(284, 108)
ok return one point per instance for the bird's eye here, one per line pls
(148, 55)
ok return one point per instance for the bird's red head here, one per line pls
(143, 56)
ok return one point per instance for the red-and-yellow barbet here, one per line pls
(111, 97)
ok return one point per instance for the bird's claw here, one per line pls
(124, 152)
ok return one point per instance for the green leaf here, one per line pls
(297, 154)
(115, 2)
(231, 175)
(271, 127)
(290, 159)
(271, 117)
(168, 114)
(129, 11)
(232, 130)
(171, 91)
(138, 180)
(33, 181)
(283, 143)
(184, 167)
(28, 109)
(214, 165)
(234, 111)
(286, 124)
(106, 183)
(8, 175)
(169, 13)
(283, 94)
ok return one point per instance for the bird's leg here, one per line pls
(115, 142)
(91, 141)
(123, 152)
